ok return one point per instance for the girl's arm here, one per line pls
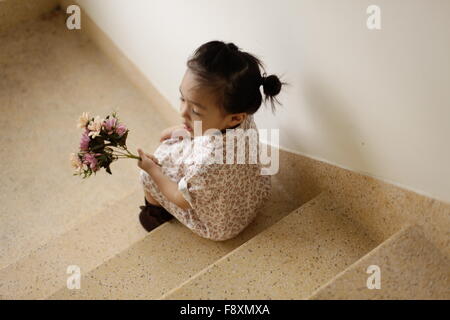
(167, 133)
(169, 188)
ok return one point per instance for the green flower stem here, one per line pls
(123, 156)
(128, 154)
(132, 155)
(125, 148)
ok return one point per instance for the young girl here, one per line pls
(220, 90)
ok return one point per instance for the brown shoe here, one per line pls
(148, 221)
(159, 212)
(152, 216)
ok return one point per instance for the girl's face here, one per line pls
(197, 104)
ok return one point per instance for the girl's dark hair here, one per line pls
(234, 77)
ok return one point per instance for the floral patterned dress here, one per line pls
(225, 196)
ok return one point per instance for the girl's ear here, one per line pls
(237, 118)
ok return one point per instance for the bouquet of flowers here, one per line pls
(102, 142)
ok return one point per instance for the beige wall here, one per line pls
(376, 102)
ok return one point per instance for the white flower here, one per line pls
(93, 134)
(83, 120)
(95, 127)
(76, 162)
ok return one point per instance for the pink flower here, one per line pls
(91, 161)
(109, 125)
(121, 129)
(101, 131)
(84, 143)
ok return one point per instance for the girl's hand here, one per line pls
(148, 162)
(167, 133)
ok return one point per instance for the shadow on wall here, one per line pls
(335, 127)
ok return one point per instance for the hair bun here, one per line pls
(232, 46)
(271, 85)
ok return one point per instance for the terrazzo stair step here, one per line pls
(168, 256)
(94, 241)
(411, 267)
(40, 105)
(288, 260)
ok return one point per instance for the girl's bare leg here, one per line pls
(150, 199)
